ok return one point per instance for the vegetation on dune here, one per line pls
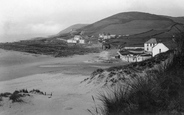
(57, 49)
(158, 92)
(126, 73)
(18, 95)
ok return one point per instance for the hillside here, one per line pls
(138, 26)
(129, 23)
(135, 28)
(178, 19)
(73, 27)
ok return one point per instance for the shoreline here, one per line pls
(15, 64)
(60, 77)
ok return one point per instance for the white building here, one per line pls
(71, 41)
(159, 48)
(77, 37)
(82, 41)
(107, 36)
(148, 46)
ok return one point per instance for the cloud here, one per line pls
(160, 7)
(36, 28)
(51, 16)
(11, 31)
(47, 27)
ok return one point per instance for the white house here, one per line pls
(82, 41)
(159, 48)
(71, 41)
(77, 37)
(107, 36)
(148, 46)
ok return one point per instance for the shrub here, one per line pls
(98, 71)
(36, 91)
(16, 97)
(6, 94)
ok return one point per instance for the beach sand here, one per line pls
(60, 76)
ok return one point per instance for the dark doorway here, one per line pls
(159, 50)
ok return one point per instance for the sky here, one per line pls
(25, 19)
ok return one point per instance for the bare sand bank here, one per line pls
(69, 97)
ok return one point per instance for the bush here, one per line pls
(6, 94)
(16, 97)
(96, 72)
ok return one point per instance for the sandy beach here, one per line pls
(60, 77)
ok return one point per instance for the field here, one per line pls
(55, 48)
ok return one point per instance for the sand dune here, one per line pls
(69, 97)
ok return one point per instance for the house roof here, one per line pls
(152, 40)
(126, 52)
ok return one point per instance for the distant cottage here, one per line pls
(76, 39)
(148, 46)
(107, 36)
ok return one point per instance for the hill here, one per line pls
(73, 27)
(178, 19)
(129, 23)
(135, 28)
(134, 24)
(139, 27)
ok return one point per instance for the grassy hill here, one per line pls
(129, 23)
(138, 25)
(73, 27)
(178, 19)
